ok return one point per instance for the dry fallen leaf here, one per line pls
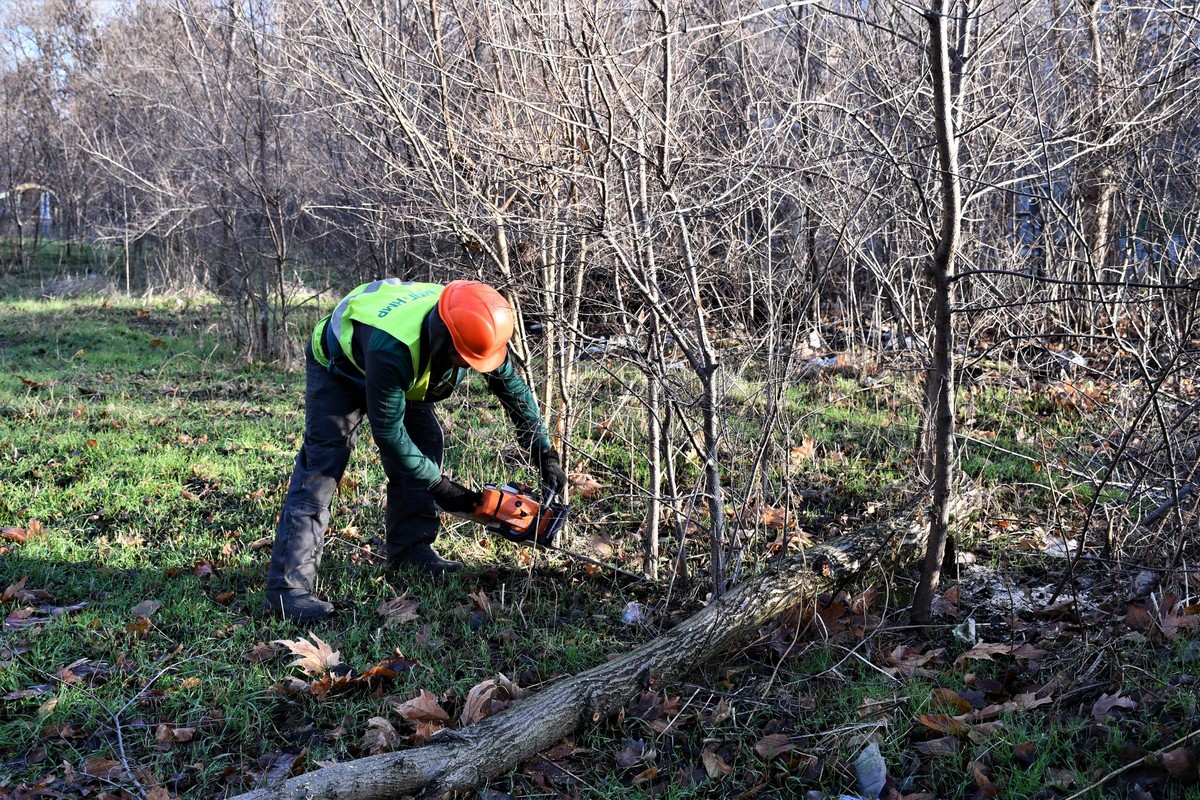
(648, 774)
(944, 747)
(422, 708)
(633, 752)
(714, 765)
(1025, 754)
(279, 765)
(1022, 702)
(261, 652)
(398, 611)
(104, 768)
(951, 700)
(985, 650)
(132, 540)
(1180, 763)
(314, 658)
(482, 602)
(30, 531)
(944, 723)
(478, 704)
(25, 694)
(805, 451)
(380, 737)
(12, 591)
(584, 485)
(773, 745)
(426, 730)
(167, 734)
(146, 608)
(1106, 703)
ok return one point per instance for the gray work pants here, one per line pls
(334, 409)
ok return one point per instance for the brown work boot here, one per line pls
(424, 558)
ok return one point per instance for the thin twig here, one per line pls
(1131, 765)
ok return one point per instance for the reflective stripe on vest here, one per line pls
(318, 343)
(396, 307)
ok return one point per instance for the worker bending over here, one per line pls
(388, 352)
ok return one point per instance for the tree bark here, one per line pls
(939, 379)
(469, 757)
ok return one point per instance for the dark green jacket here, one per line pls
(379, 337)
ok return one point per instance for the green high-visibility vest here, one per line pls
(395, 307)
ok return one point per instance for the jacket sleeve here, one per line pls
(517, 398)
(389, 374)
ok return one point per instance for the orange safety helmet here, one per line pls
(480, 322)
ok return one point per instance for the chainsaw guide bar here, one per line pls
(518, 513)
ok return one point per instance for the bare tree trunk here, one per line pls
(1099, 190)
(939, 380)
(654, 446)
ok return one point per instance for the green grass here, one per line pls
(57, 265)
(155, 462)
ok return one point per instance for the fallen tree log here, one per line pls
(470, 756)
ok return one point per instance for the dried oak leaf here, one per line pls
(1022, 702)
(1106, 703)
(398, 611)
(380, 737)
(427, 730)
(146, 608)
(944, 723)
(944, 747)
(482, 602)
(951, 700)
(584, 485)
(714, 765)
(985, 650)
(422, 708)
(1180, 763)
(1025, 754)
(773, 745)
(633, 752)
(26, 694)
(1138, 618)
(104, 768)
(19, 535)
(167, 734)
(261, 652)
(278, 765)
(805, 451)
(313, 658)
(12, 591)
(479, 703)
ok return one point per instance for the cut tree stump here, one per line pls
(469, 756)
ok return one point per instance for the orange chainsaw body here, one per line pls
(517, 514)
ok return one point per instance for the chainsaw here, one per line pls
(518, 513)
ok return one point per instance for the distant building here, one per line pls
(29, 204)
